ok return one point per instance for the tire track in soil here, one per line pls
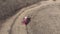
(10, 31)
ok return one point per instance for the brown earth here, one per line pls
(9, 8)
(45, 19)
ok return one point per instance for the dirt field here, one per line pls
(9, 8)
(45, 19)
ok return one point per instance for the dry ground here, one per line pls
(8, 8)
(45, 19)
